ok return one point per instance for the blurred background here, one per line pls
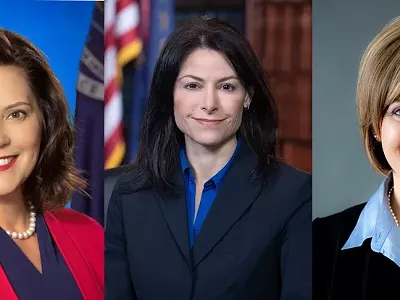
(280, 32)
(342, 30)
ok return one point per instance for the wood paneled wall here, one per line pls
(280, 32)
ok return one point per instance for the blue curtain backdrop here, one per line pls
(58, 28)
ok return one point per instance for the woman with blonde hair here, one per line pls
(46, 251)
(356, 253)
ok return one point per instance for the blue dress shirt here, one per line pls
(376, 222)
(210, 190)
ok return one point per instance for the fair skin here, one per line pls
(19, 138)
(208, 105)
(390, 138)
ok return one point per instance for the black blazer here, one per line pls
(110, 178)
(356, 274)
(255, 242)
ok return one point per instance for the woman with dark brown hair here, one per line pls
(207, 209)
(47, 251)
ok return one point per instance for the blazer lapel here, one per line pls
(73, 257)
(173, 207)
(236, 194)
(7, 292)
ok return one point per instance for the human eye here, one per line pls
(394, 109)
(17, 115)
(228, 87)
(192, 86)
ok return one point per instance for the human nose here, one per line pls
(210, 101)
(4, 137)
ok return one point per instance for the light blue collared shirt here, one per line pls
(376, 222)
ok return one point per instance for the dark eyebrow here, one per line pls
(16, 104)
(202, 80)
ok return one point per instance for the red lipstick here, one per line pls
(10, 164)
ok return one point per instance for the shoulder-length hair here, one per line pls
(160, 138)
(54, 177)
(378, 87)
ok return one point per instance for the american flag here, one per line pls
(122, 45)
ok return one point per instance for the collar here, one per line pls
(376, 222)
(63, 226)
(217, 178)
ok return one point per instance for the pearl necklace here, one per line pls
(32, 226)
(390, 206)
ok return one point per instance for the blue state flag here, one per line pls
(89, 120)
(162, 23)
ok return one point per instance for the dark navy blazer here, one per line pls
(255, 242)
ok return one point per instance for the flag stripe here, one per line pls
(110, 63)
(110, 89)
(122, 45)
(128, 18)
(121, 4)
(125, 39)
(112, 140)
(113, 115)
(109, 149)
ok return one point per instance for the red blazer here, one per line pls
(81, 242)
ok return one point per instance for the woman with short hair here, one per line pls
(357, 252)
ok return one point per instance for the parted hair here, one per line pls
(54, 177)
(378, 87)
(160, 138)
